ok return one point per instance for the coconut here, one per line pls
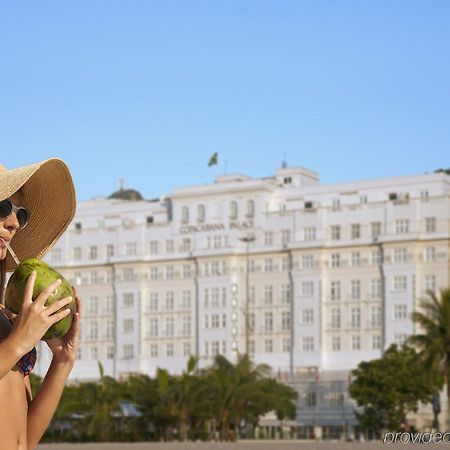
(46, 275)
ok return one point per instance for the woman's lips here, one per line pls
(3, 242)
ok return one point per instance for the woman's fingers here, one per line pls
(28, 294)
(45, 293)
(56, 306)
(59, 315)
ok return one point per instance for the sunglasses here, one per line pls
(7, 208)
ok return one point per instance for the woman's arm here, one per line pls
(42, 408)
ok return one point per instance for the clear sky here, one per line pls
(148, 90)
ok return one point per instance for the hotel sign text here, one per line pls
(216, 227)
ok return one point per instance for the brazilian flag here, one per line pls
(214, 159)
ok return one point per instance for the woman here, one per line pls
(37, 203)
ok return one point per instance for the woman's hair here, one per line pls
(2, 279)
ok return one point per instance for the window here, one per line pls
(268, 294)
(307, 288)
(375, 316)
(286, 345)
(93, 252)
(308, 344)
(356, 317)
(363, 199)
(153, 247)
(186, 300)
(169, 350)
(336, 204)
(93, 305)
(402, 226)
(307, 315)
(187, 273)
(335, 291)
(186, 326)
(77, 253)
(94, 353)
(400, 338)
(335, 260)
(400, 283)
(200, 213)
(400, 255)
(215, 347)
(268, 321)
(154, 273)
(375, 288)
(430, 224)
(170, 301)
(128, 351)
(215, 321)
(376, 342)
(110, 352)
(268, 345)
(356, 342)
(355, 231)
(430, 254)
(268, 264)
(110, 328)
(170, 326)
(375, 228)
(128, 300)
(233, 210)
(430, 283)
(186, 348)
(250, 209)
(128, 274)
(285, 236)
(130, 248)
(215, 297)
(109, 250)
(335, 318)
(285, 264)
(154, 350)
(93, 330)
(169, 246)
(424, 195)
(153, 327)
(268, 238)
(310, 233)
(170, 273)
(153, 305)
(335, 343)
(376, 257)
(128, 325)
(184, 214)
(285, 321)
(356, 259)
(251, 347)
(307, 262)
(400, 312)
(356, 289)
(186, 245)
(252, 295)
(285, 293)
(335, 232)
(56, 254)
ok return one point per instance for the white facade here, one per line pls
(164, 279)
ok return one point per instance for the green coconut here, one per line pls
(45, 276)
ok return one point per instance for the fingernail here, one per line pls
(34, 272)
(70, 298)
(59, 281)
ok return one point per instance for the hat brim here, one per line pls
(49, 196)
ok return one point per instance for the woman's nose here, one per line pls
(11, 223)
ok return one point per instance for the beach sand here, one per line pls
(273, 445)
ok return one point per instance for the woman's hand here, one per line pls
(35, 318)
(64, 348)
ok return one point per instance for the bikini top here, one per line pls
(27, 362)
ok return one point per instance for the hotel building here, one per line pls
(310, 278)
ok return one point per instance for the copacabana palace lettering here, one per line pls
(235, 225)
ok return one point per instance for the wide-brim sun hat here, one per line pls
(49, 196)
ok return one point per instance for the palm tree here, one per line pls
(434, 341)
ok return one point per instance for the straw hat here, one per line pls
(49, 196)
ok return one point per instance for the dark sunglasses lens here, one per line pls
(22, 217)
(5, 208)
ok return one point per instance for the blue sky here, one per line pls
(148, 90)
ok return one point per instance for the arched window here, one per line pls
(250, 208)
(200, 213)
(233, 210)
(184, 214)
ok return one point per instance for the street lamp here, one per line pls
(247, 239)
(379, 245)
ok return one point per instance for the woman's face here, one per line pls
(8, 226)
